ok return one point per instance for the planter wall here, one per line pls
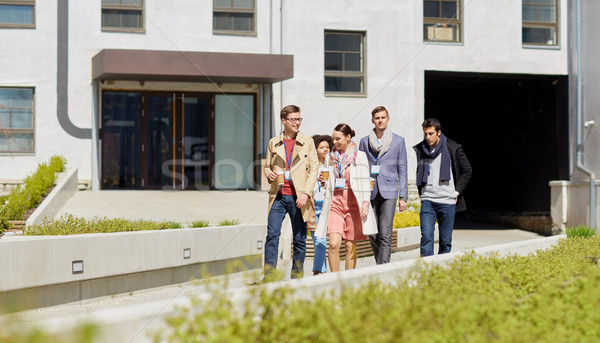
(45, 270)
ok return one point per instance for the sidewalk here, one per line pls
(249, 207)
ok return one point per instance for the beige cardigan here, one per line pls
(361, 187)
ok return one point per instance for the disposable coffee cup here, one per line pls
(325, 174)
(280, 177)
(372, 183)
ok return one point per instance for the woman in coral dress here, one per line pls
(347, 213)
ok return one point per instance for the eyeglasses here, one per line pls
(294, 120)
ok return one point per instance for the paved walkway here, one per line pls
(249, 207)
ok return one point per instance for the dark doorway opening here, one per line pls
(514, 130)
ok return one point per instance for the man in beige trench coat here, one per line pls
(291, 169)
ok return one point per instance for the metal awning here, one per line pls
(156, 65)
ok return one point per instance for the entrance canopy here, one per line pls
(155, 65)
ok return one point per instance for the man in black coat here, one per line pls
(443, 172)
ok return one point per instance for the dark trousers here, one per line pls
(285, 204)
(384, 210)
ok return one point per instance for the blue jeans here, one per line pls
(430, 211)
(320, 245)
(285, 204)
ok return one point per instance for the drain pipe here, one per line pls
(580, 124)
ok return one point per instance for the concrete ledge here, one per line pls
(134, 323)
(41, 267)
(66, 186)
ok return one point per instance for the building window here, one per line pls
(442, 21)
(540, 22)
(16, 120)
(344, 63)
(123, 15)
(17, 13)
(234, 16)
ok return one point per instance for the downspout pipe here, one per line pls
(579, 122)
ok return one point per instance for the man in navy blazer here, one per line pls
(386, 152)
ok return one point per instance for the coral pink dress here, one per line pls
(344, 216)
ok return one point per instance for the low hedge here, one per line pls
(550, 296)
(406, 219)
(26, 197)
(71, 225)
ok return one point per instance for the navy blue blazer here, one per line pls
(392, 181)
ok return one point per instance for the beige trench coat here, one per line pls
(304, 167)
(361, 187)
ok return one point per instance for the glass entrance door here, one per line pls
(157, 141)
(175, 152)
(196, 155)
(176, 141)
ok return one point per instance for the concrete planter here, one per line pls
(48, 270)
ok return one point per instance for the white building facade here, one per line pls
(145, 94)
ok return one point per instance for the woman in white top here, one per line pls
(347, 212)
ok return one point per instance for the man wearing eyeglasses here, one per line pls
(292, 161)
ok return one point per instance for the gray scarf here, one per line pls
(384, 143)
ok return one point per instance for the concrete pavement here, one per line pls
(249, 207)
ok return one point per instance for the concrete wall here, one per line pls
(570, 205)
(66, 185)
(41, 266)
(590, 55)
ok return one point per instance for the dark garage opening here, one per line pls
(514, 130)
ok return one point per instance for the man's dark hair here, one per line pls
(432, 122)
(323, 138)
(289, 109)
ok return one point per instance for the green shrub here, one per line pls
(229, 222)
(27, 196)
(549, 296)
(580, 231)
(200, 223)
(406, 219)
(174, 225)
(84, 333)
(70, 225)
(4, 224)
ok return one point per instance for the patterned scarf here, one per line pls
(427, 157)
(380, 146)
(341, 160)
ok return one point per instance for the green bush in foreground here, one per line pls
(70, 225)
(550, 296)
(86, 333)
(26, 197)
(580, 231)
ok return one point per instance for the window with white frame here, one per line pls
(442, 21)
(540, 22)
(344, 63)
(16, 120)
(17, 13)
(234, 16)
(123, 15)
